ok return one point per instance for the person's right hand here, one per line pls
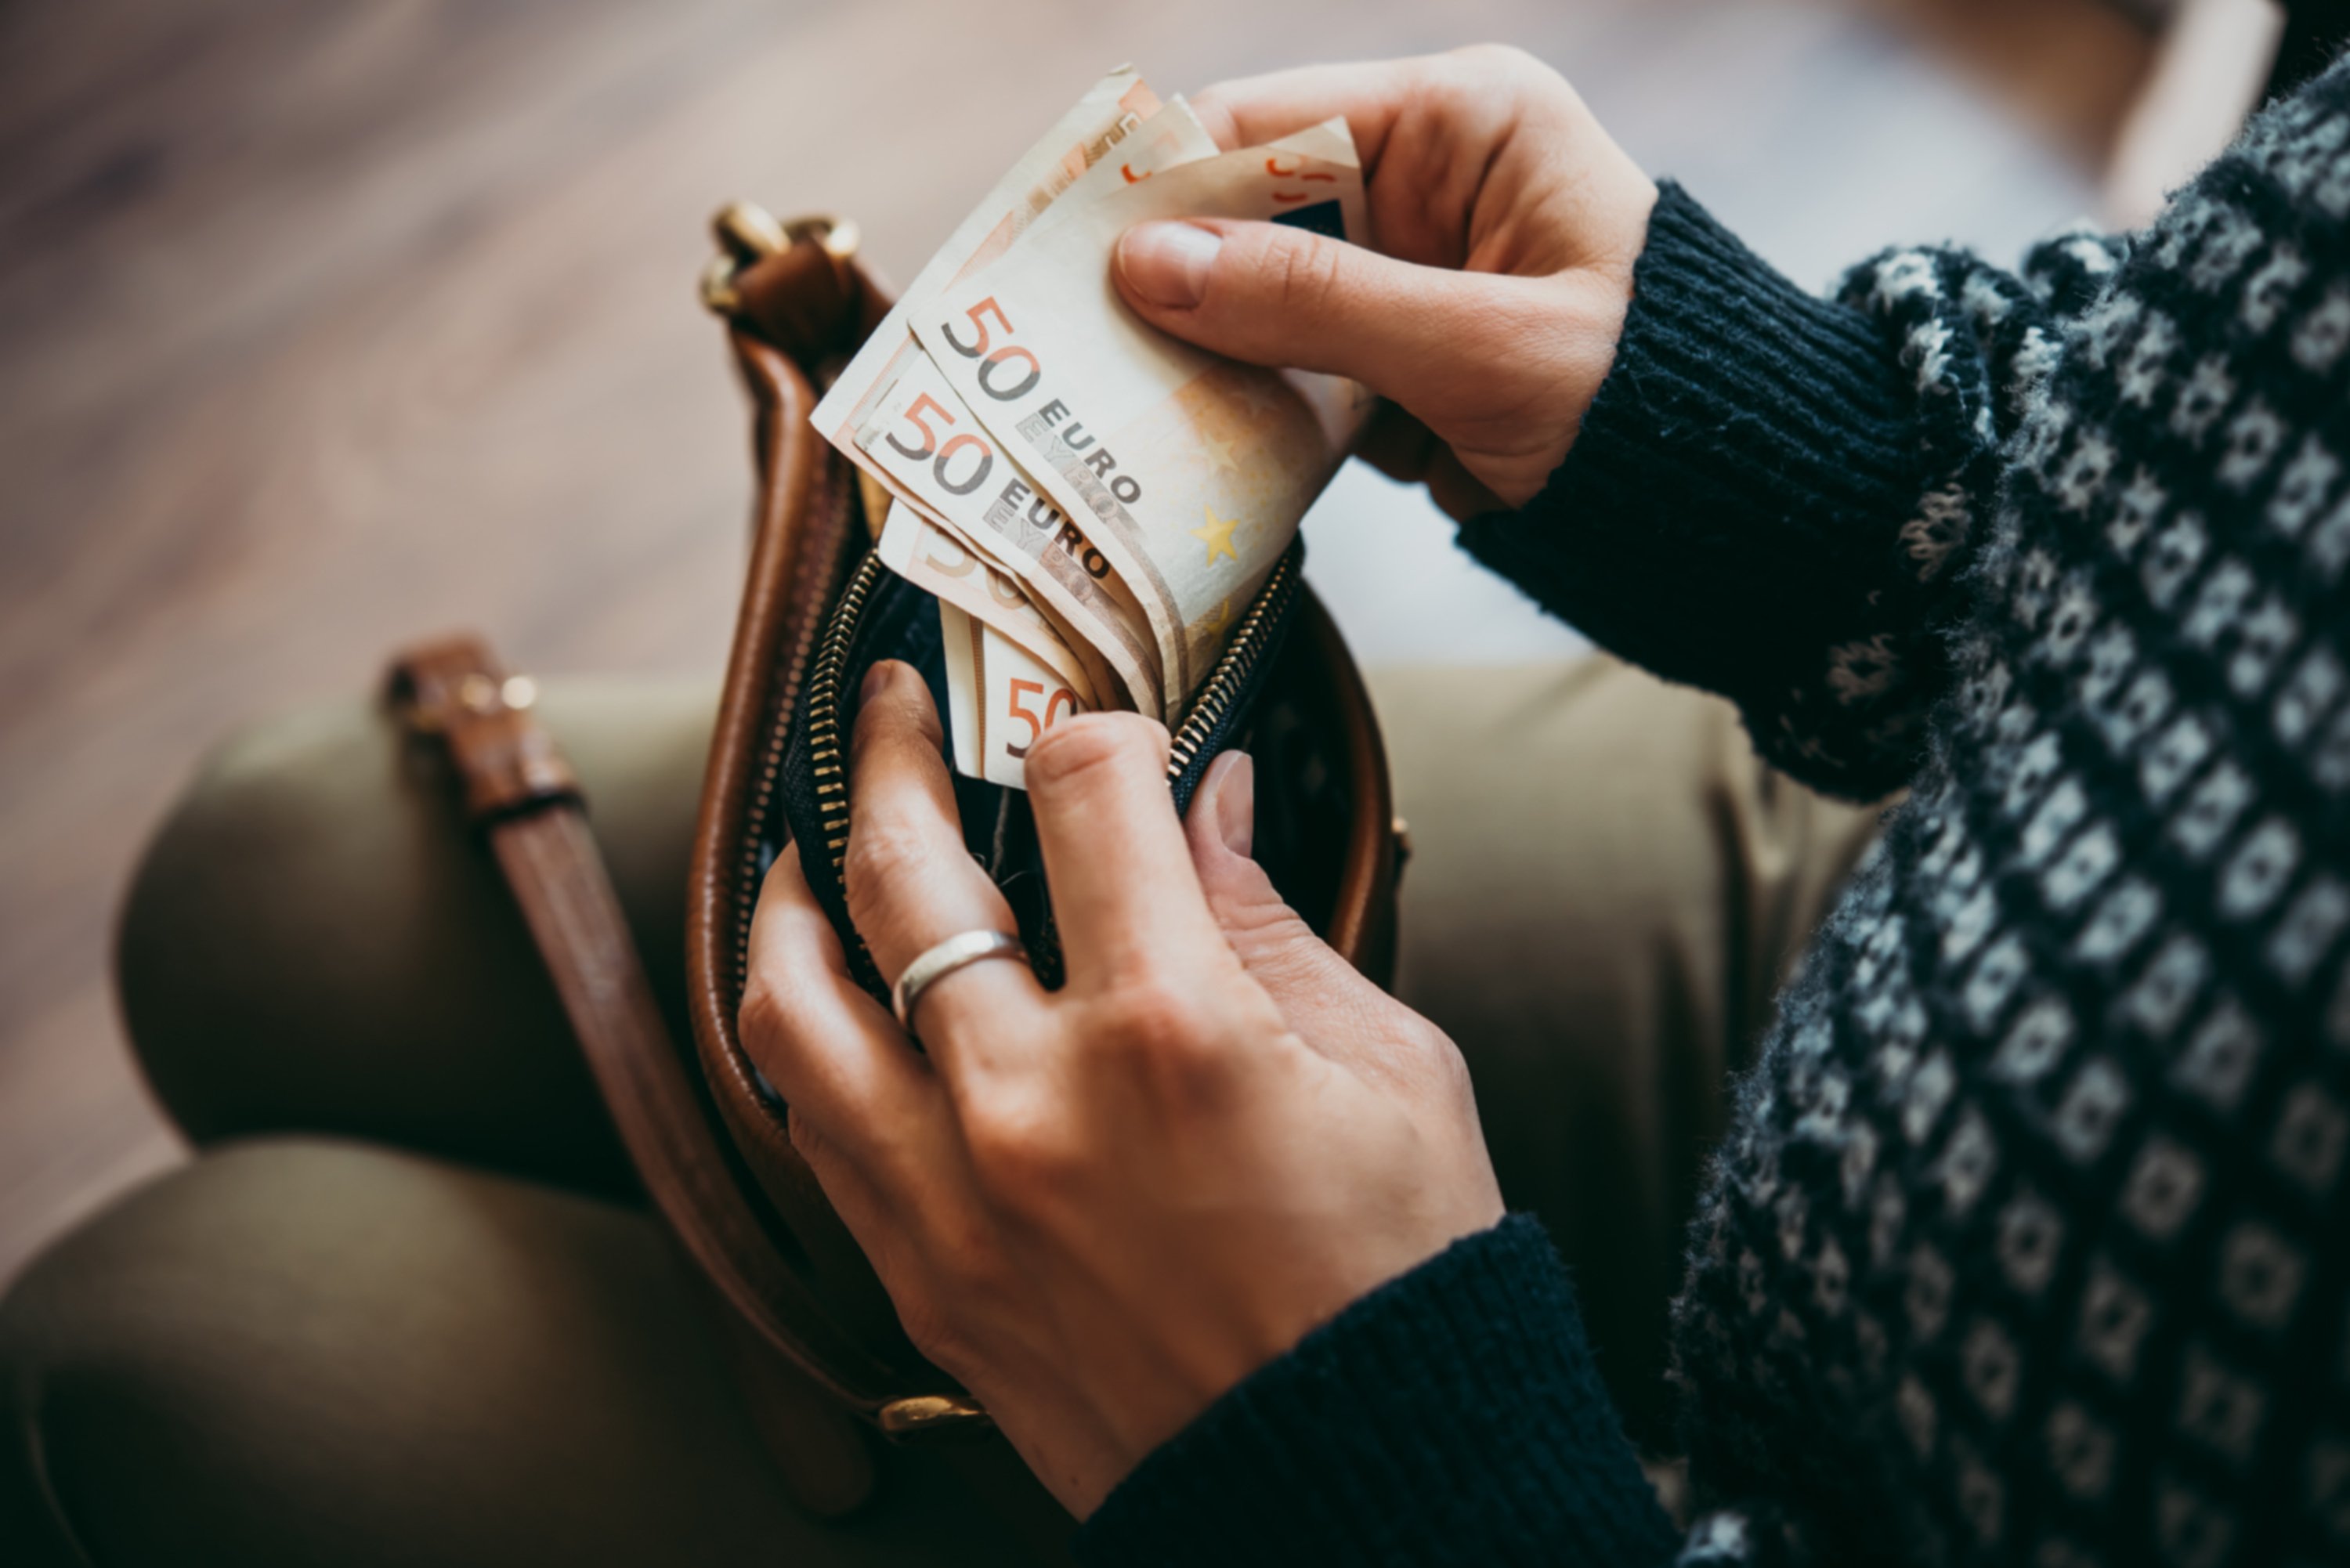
(1506, 224)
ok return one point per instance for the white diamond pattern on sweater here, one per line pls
(2057, 1222)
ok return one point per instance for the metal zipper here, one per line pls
(824, 708)
(1232, 672)
(1209, 711)
(771, 760)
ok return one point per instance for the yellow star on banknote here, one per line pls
(1257, 390)
(1218, 536)
(1215, 621)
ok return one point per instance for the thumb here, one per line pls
(1273, 295)
(1321, 994)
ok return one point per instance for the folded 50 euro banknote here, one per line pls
(1093, 502)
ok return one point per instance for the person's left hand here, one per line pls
(1100, 1208)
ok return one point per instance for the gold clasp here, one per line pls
(923, 1416)
(748, 233)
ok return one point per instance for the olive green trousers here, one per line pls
(403, 1307)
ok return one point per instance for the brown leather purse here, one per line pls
(707, 1136)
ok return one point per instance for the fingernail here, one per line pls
(1232, 778)
(877, 680)
(1168, 263)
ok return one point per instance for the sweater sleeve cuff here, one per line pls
(1736, 488)
(1453, 1415)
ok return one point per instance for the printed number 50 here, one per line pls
(991, 364)
(913, 416)
(1062, 698)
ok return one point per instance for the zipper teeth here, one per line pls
(824, 708)
(822, 695)
(770, 775)
(1247, 645)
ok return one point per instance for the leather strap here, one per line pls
(505, 758)
(519, 788)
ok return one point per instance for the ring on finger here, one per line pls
(933, 965)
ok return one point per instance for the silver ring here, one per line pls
(935, 964)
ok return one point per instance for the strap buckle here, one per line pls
(455, 690)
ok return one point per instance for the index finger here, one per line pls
(1249, 110)
(1126, 895)
(1432, 132)
(912, 884)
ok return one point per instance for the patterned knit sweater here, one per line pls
(2031, 1240)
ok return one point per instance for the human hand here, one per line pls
(1100, 1208)
(1506, 222)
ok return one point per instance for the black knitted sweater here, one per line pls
(2031, 1241)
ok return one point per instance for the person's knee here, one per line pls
(302, 1350)
(34, 1519)
(94, 1444)
(123, 1350)
(219, 856)
(295, 882)
(315, 939)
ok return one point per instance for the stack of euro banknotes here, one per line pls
(1094, 502)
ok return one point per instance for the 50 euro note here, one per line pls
(1000, 700)
(931, 451)
(1111, 109)
(934, 560)
(1189, 472)
(952, 467)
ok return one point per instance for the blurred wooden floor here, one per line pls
(322, 327)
